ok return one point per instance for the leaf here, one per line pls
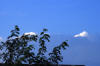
(17, 28)
(45, 29)
(41, 33)
(65, 44)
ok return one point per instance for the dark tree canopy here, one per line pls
(18, 50)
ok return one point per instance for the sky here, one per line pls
(64, 19)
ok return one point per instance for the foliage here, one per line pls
(18, 50)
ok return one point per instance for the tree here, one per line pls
(18, 50)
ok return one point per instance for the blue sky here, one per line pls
(61, 17)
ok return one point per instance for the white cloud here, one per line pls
(82, 34)
(30, 33)
(0, 38)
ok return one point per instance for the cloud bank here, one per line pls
(82, 34)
